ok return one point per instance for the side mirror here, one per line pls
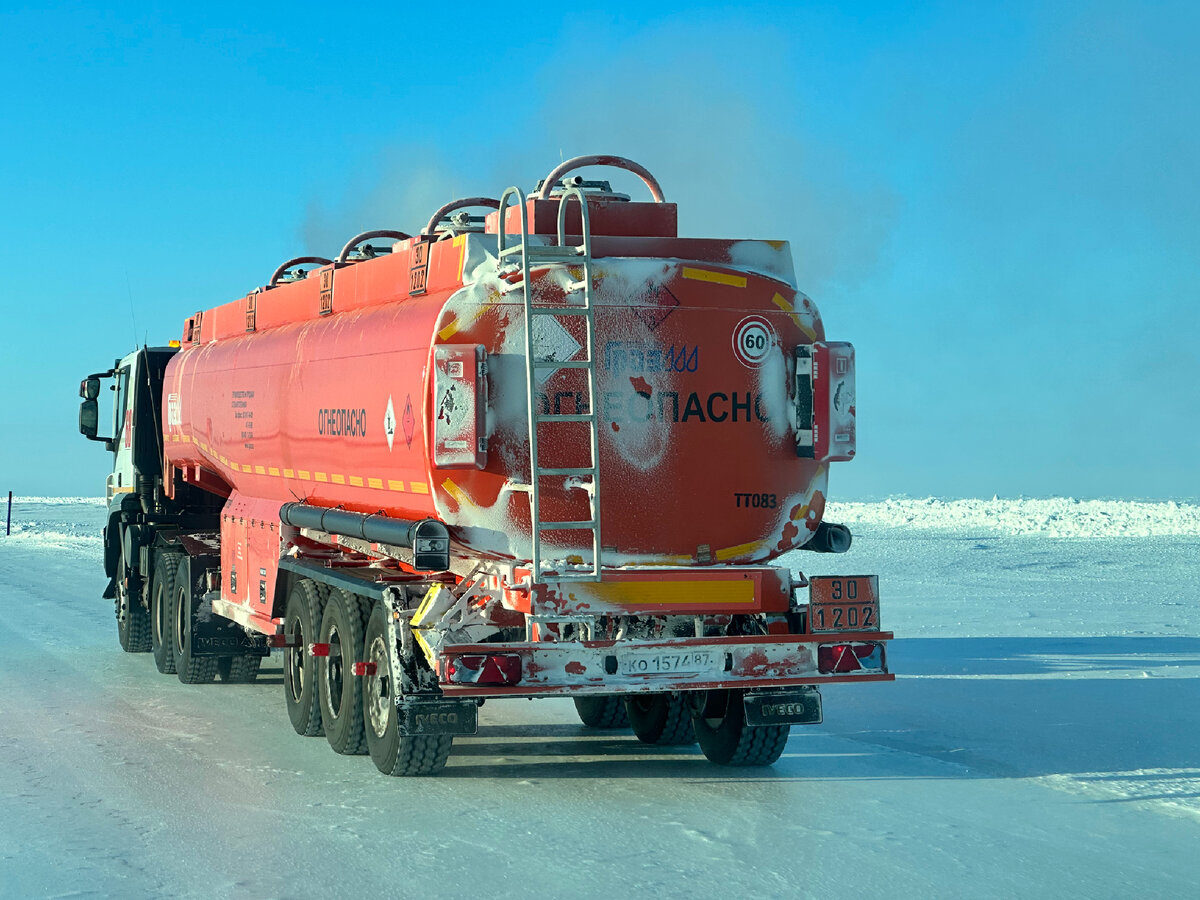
(89, 388)
(89, 414)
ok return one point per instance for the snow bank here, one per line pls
(60, 501)
(1059, 517)
(61, 523)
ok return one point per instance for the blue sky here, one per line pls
(998, 204)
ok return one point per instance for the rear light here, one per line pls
(500, 668)
(841, 658)
(318, 649)
(363, 668)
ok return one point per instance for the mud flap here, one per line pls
(783, 708)
(214, 635)
(437, 717)
(221, 637)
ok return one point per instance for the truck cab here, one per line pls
(133, 488)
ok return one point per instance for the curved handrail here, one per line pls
(585, 227)
(367, 235)
(619, 162)
(450, 207)
(316, 260)
(500, 223)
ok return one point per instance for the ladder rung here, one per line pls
(564, 417)
(578, 470)
(552, 253)
(559, 310)
(562, 364)
(566, 526)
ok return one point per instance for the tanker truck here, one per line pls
(543, 448)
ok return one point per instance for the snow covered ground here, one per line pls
(1042, 739)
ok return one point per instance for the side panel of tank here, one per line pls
(328, 410)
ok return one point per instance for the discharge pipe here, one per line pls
(429, 539)
(829, 538)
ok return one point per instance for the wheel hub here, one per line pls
(295, 666)
(333, 672)
(378, 694)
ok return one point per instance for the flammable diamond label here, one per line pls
(552, 343)
(389, 422)
(654, 306)
(409, 421)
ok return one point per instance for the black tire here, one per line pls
(393, 753)
(664, 719)
(162, 594)
(190, 669)
(133, 619)
(607, 711)
(343, 626)
(725, 738)
(301, 619)
(238, 669)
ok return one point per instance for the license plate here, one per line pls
(689, 663)
(843, 603)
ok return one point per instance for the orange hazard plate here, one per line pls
(843, 603)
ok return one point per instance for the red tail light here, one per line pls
(480, 669)
(840, 658)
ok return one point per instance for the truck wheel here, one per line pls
(661, 719)
(725, 738)
(602, 712)
(342, 628)
(393, 753)
(133, 619)
(306, 602)
(162, 594)
(191, 669)
(238, 669)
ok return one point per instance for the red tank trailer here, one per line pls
(546, 450)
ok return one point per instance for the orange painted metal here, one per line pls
(331, 397)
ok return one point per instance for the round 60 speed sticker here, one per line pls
(752, 341)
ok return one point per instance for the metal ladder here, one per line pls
(560, 255)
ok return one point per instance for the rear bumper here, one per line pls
(579, 668)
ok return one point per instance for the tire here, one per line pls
(725, 738)
(133, 619)
(664, 719)
(393, 753)
(607, 711)
(301, 619)
(342, 627)
(238, 669)
(190, 669)
(162, 592)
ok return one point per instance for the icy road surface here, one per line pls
(1043, 740)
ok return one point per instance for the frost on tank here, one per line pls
(770, 258)
(671, 396)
